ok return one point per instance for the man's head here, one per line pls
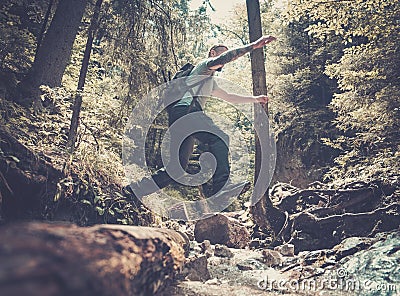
(216, 50)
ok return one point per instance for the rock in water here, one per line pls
(222, 251)
(285, 250)
(220, 229)
(272, 258)
(196, 269)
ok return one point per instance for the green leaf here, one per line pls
(57, 196)
(119, 194)
(14, 158)
(96, 198)
(118, 210)
(100, 211)
(85, 201)
(123, 221)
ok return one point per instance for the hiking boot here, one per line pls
(178, 212)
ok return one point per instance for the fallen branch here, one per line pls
(63, 259)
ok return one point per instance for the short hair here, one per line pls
(214, 47)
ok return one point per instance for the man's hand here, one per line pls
(261, 99)
(264, 40)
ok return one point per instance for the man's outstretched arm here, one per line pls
(237, 99)
(233, 54)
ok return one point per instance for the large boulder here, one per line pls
(220, 229)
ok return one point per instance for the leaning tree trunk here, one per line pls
(264, 214)
(62, 259)
(73, 130)
(54, 52)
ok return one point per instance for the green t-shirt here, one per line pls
(203, 90)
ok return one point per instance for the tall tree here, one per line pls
(264, 213)
(54, 52)
(82, 76)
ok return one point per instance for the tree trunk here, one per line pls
(63, 259)
(44, 26)
(263, 212)
(82, 77)
(55, 50)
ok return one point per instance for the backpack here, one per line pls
(179, 92)
(185, 70)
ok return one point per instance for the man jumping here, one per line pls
(208, 133)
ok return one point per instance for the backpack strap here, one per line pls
(195, 96)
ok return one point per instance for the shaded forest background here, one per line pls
(333, 78)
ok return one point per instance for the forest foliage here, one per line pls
(346, 55)
(333, 76)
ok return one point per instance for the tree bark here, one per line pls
(263, 212)
(309, 232)
(44, 26)
(320, 218)
(82, 77)
(63, 259)
(55, 50)
(28, 182)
